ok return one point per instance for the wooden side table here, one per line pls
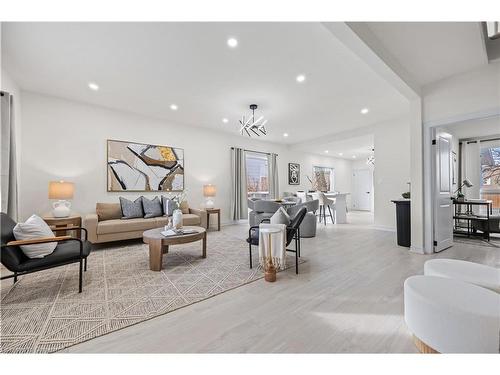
(213, 211)
(61, 225)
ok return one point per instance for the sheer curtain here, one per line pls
(272, 162)
(239, 206)
(8, 163)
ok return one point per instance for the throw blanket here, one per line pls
(278, 248)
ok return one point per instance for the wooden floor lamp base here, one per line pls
(423, 347)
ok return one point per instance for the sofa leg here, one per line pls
(80, 281)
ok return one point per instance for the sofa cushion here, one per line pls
(108, 211)
(129, 225)
(151, 207)
(131, 209)
(190, 219)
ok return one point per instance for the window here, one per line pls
(257, 174)
(323, 179)
(490, 173)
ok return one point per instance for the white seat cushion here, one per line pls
(452, 316)
(34, 228)
(474, 273)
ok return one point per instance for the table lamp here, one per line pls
(209, 192)
(61, 190)
(465, 183)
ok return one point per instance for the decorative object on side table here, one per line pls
(293, 174)
(269, 267)
(209, 192)
(460, 195)
(61, 190)
(213, 211)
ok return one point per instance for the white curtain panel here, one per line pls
(9, 203)
(471, 168)
(272, 162)
(239, 206)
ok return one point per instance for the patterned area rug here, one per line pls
(43, 312)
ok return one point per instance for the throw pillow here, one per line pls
(280, 217)
(169, 206)
(108, 211)
(151, 207)
(131, 209)
(33, 228)
(184, 207)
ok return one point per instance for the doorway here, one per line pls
(362, 183)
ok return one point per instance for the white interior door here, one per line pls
(442, 191)
(362, 189)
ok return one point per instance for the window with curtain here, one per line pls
(490, 172)
(324, 178)
(257, 174)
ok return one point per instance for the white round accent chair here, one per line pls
(451, 316)
(470, 272)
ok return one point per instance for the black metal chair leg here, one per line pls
(85, 265)
(250, 253)
(15, 277)
(331, 216)
(298, 232)
(80, 281)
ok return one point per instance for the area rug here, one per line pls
(43, 312)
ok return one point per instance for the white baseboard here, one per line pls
(384, 228)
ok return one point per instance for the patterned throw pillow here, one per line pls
(131, 209)
(151, 207)
(169, 206)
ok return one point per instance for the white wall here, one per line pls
(64, 139)
(392, 169)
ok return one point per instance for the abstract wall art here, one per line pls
(144, 167)
(293, 174)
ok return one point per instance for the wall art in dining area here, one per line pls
(293, 174)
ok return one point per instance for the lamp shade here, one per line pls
(209, 190)
(61, 190)
(467, 183)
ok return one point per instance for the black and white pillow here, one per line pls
(169, 206)
(151, 207)
(131, 210)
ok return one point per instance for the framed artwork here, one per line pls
(144, 167)
(293, 174)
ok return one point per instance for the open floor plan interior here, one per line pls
(250, 187)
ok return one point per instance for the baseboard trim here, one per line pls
(384, 228)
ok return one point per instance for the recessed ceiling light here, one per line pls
(364, 111)
(173, 107)
(354, 156)
(301, 78)
(285, 134)
(93, 86)
(232, 42)
(225, 120)
(340, 154)
(326, 151)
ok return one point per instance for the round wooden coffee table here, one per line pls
(158, 243)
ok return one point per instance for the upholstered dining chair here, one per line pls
(292, 234)
(302, 195)
(68, 250)
(324, 202)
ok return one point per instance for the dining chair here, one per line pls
(324, 203)
(302, 195)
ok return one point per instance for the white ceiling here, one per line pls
(144, 67)
(354, 148)
(475, 128)
(431, 51)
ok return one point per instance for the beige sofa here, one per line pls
(110, 227)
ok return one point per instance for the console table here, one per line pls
(470, 216)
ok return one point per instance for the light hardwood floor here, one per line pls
(348, 297)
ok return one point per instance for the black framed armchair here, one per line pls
(68, 250)
(292, 234)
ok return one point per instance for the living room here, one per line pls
(272, 177)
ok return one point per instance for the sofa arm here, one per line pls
(202, 214)
(90, 223)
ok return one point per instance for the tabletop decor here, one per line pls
(61, 190)
(144, 167)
